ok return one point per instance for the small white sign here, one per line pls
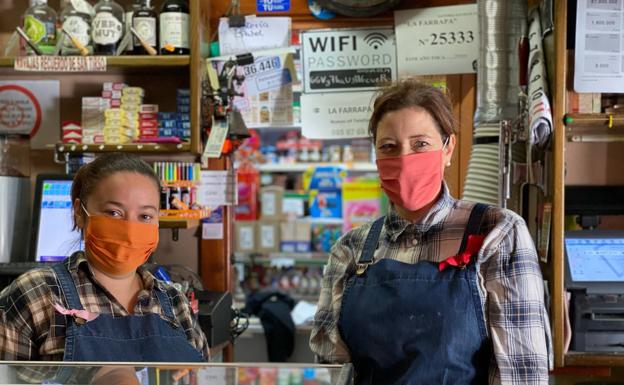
(60, 63)
(438, 40)
(258, 33)
(212, 230)
(336, 60)
(336, 115)
(217, 188)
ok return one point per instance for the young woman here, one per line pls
(102, 304)
(439, 291)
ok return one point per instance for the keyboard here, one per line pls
(18, 268)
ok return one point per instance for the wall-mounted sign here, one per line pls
(438, 40)
(336, 115)
(273, 5)
(347, 59)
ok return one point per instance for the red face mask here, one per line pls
(117, 246)
(412, 181)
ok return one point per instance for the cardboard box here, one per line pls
(245, 236)
(296, 237)
(268, 236)
(271, 198)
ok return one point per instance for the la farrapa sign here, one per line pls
(348, 59)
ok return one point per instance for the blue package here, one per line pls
(184, 117)
(168, 123)
(326, 203)
(184, 101)
(327, 178)
(182, 92)
(167, 115)
(184, 109)
(184, 125)
(166, 132)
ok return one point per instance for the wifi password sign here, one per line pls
(375, 39)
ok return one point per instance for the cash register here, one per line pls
(594, 270)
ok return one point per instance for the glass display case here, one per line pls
(174, 374)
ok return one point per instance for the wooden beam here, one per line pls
(557, 287)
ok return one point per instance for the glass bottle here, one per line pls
(174, 28)
(40, 26)
(108, 27)
(130, 9)
(76, 19)
(144, 22)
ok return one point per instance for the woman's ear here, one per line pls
(447, 153)
(79, 214)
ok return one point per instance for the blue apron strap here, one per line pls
(68, 287)
(165, 302)
(474, 224)
(370, 245)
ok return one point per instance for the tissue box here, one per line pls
(271, 198)
(296, 237)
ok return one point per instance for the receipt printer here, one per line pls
(598, 322)
(215, 315)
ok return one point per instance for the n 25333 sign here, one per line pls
(448, 38)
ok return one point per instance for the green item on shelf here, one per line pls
(34, 28)
(214, 49)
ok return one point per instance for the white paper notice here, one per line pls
(336, 115)
(258, 33)
(31, 107)
(439, 40)
(599, 52)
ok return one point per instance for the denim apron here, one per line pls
(412, 323)
(132, 338)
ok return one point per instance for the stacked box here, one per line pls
(93, 109)
(148, 121)
(184, 110)
(168, 124)
(131, 103)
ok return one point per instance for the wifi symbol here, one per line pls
(375, 39)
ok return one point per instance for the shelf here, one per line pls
(129, 61)
(274, 128)
(130, 147)
(594, 120)
(282, 258)
(170, 223)
(594, 359)
(302, 167)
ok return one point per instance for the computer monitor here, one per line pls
(53, 238)
(595, 260)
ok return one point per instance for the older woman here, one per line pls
(439, 291)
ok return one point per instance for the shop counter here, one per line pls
(174, 374)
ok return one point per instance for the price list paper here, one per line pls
(599, 51)
(437, 40)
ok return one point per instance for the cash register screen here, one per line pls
(595, 259)
(55, 239)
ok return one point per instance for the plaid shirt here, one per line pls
(31, 329)
(509, 280)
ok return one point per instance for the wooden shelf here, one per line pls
(594, 120)
(170, 223)
(130, 147)
(594, 359)
(129, 61)
(270, 258)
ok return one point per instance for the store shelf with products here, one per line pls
(282, 258)
(302, 167)
(178, 223)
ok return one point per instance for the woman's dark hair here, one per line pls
(412, 93)
(105, 165)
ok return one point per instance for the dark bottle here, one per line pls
(174, 28)
(130, 9)
(107, 28)
(144, 23)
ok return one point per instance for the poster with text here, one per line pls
(338, 60)
(438, 40)
(599, 52)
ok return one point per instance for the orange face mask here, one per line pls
(118, 247)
